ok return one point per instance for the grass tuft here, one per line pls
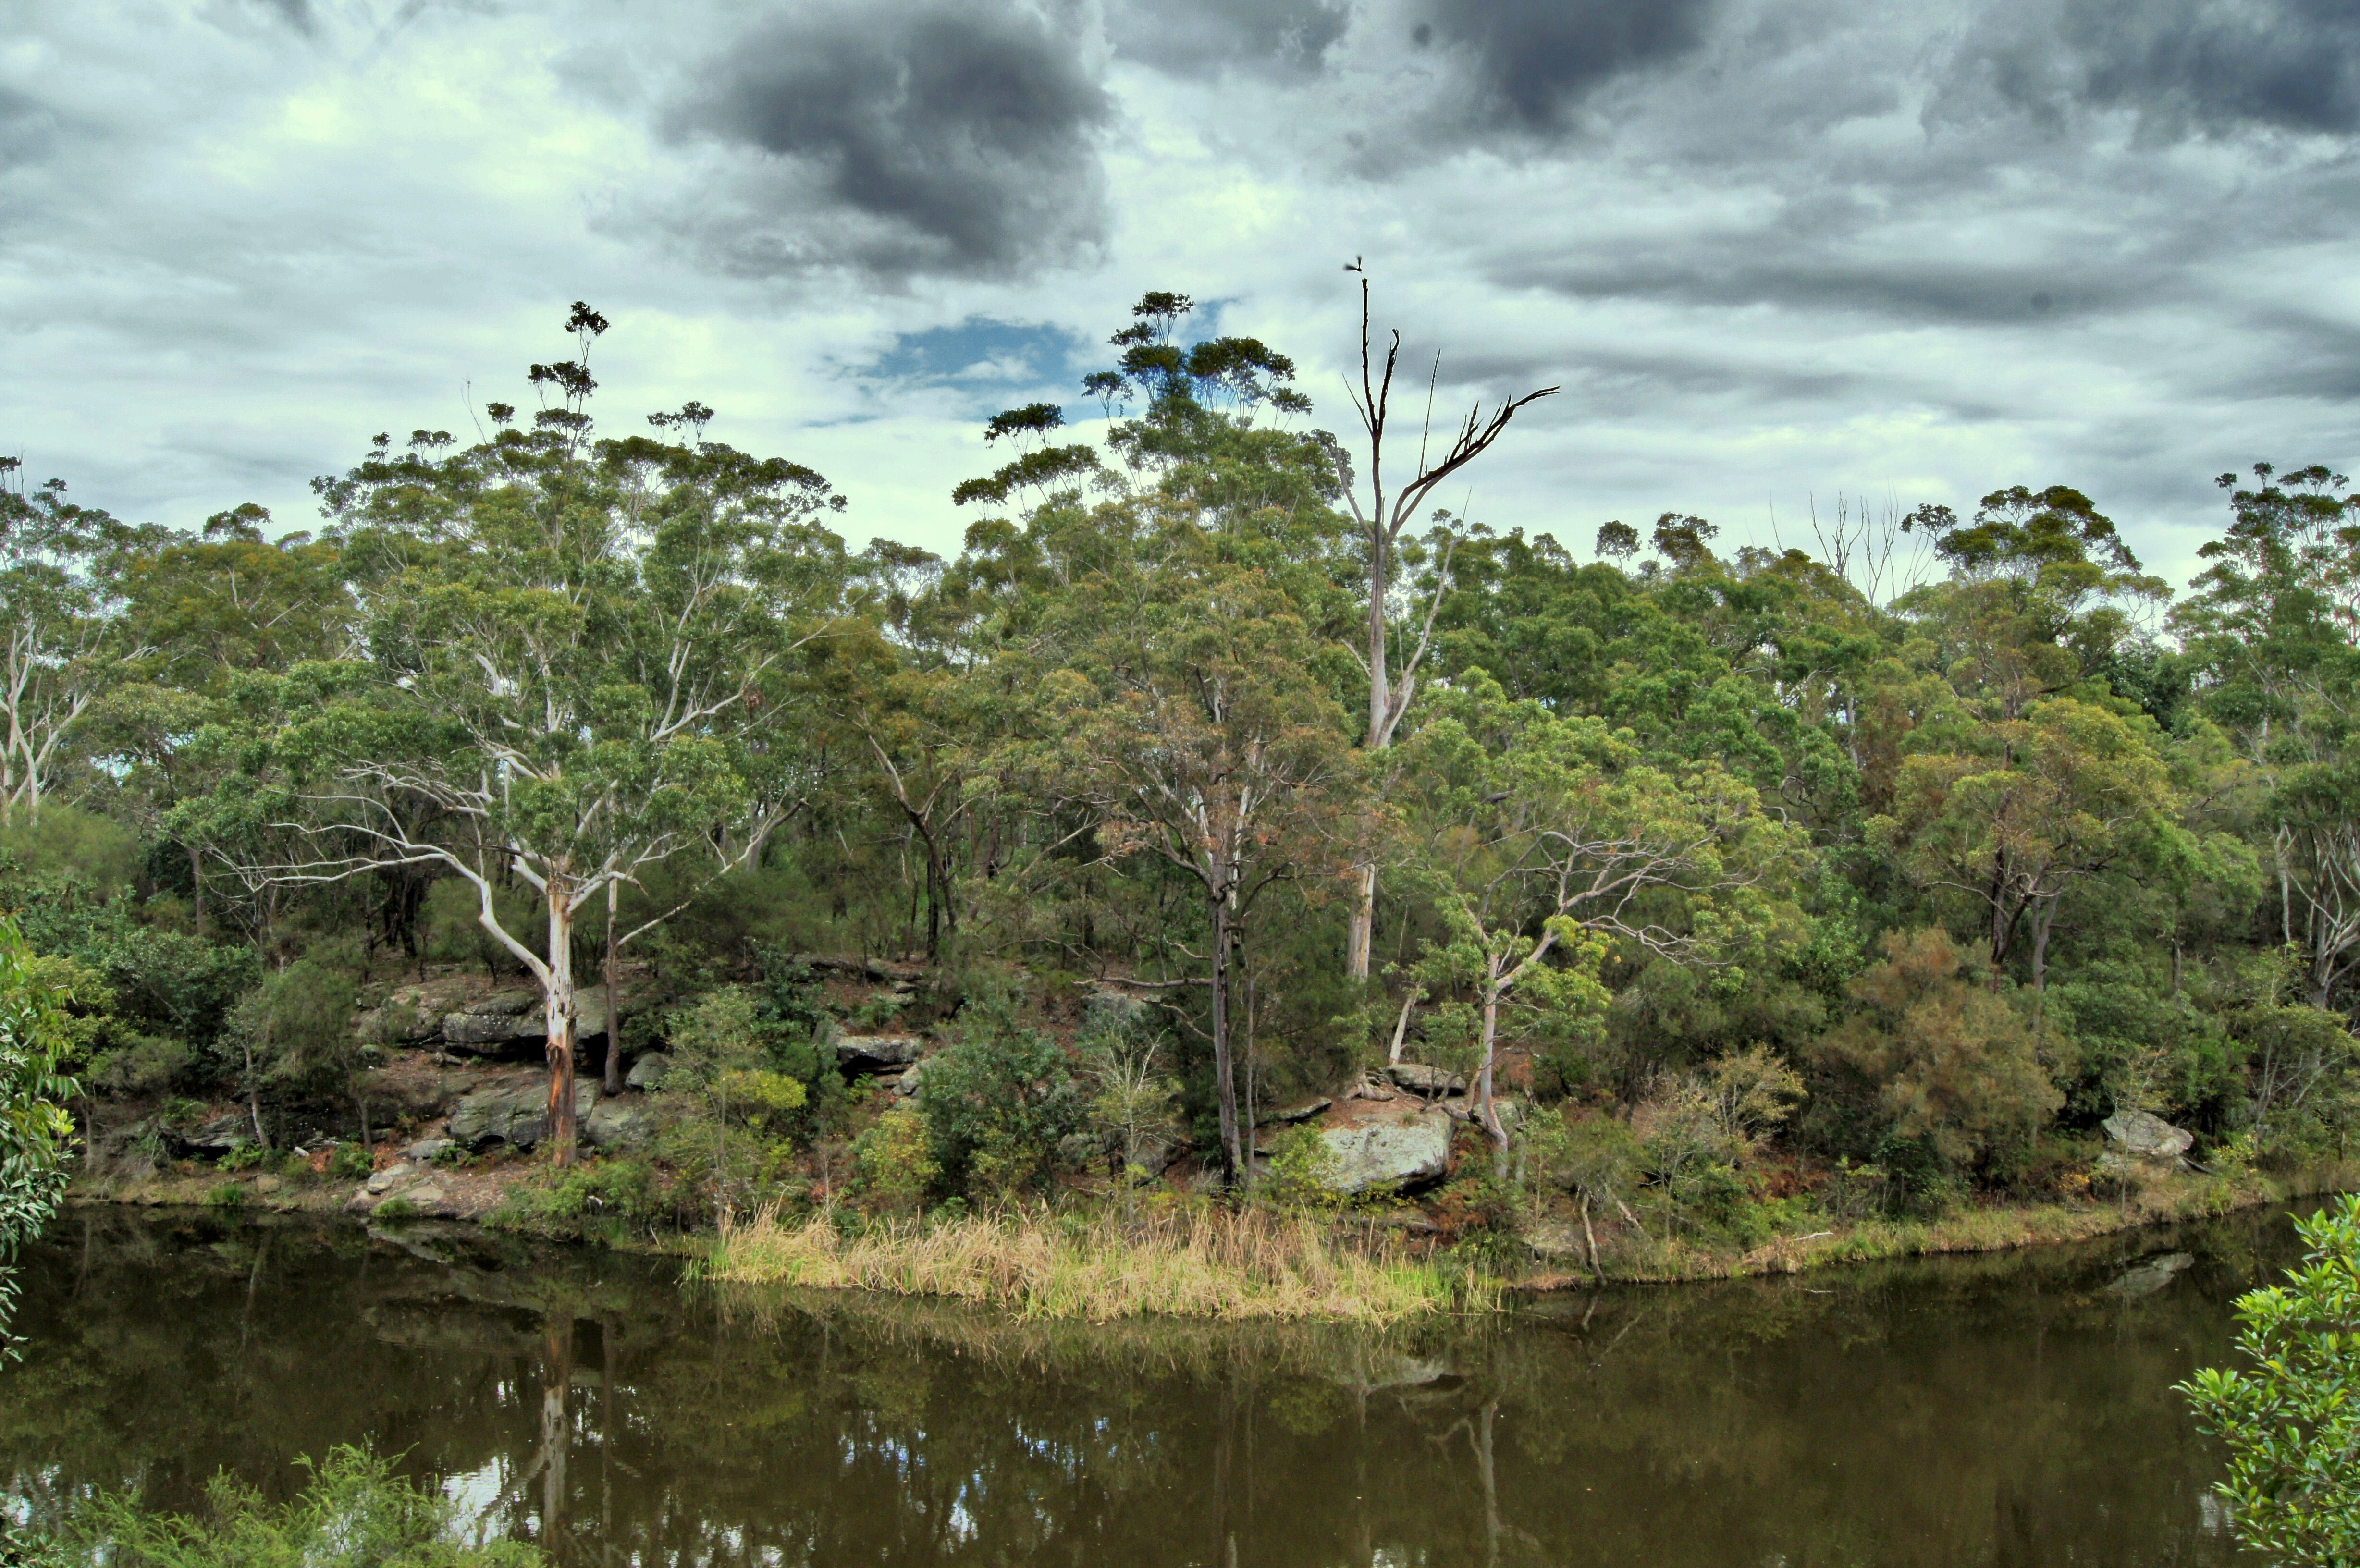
(1195, 1261)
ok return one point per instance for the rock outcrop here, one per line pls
(1389, 1150)
(1418, 1078)
(2149, 1136)
(512, 1115)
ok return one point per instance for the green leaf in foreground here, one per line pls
(2291, 1420)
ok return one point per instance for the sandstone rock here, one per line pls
(222, 1134)
(912, 1082)
(2148, 1137)
(385, 1181)
(1303, 1111)
(426, 1151)
(648, 1071)
(618, 1125)
(1107, 1010)
(1557, 1240)
(1424, 1079)
(266, 1185)
(426, 1197)
(1389, 1151)
(513, 1116)
(864, 1053)
(499, 1021)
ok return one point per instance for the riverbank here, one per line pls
(1194, 1258)
(2160, 1198)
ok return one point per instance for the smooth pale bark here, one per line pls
(560, 1008)
(613, 1071)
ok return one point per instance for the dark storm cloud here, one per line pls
(27, 127)
(296, 14)
(2182, 66)
(1199, 37)
(961, 137)
(1536, 60)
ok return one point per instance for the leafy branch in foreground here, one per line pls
(2291, 1422)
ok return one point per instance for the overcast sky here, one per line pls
(1772, 249)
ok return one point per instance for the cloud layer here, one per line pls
(1772, 248)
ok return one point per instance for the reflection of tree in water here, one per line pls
(2005, 1409)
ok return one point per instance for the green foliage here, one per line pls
(1302, 1172)
(894, 1162)
(356, 1512)
(350, 1162)
(996, 1101)
(2292, 1420)
(35, 1126)
(1934, 1062)
(598, 1198)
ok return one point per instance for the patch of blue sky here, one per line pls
(993, 363)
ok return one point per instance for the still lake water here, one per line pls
(2012, 1410)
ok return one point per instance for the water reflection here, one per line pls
(2003, 1411)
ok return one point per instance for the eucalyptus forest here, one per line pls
(1223, 771)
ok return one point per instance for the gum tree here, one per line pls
(575, 660)
(1545, 841)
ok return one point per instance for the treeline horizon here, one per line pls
(1711, 874)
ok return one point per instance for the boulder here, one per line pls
(512, 1116)
(1081, 1151)
(2148, 1137)
(222, 1134)
(1389, 1151)
(866, 1053)
(1108, 1010)
(263, 1186)
(426, 1151)
(617, 1124)
(648, 1071)
(496, 1023)
(911, 1080)
(1424, 1079)
(1288, 1115)
(385, 1181)
(426, 1197)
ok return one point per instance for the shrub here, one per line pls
(227, 1195)
(594, 1197)
(997, 1102)
(1935, 1067)
(2290, 1423)
(1301, 1171)
(894, 1162)
(356, 1513)
(351, 1162)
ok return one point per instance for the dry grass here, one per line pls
(1197, 1261)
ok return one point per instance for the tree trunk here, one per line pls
(1488, 1113)
(361, 1105)
(1223, 1079)
(614, 1073)
(1362, 935)
(196, 882)
(558, 1008)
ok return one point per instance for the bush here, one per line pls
(592, 1198)
(1301, 1171)
(894, 1162)
(351, 1162)
(2290, 1421)
(1935, 1068)
(997, 1102)
(356, 1513)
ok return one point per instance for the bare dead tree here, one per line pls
(1381, 522)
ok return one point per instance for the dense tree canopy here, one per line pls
(1971, 861)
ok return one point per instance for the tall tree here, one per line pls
(1546, 841)
(1388, 513)
(2273, 631)
(1190, 720)
(577, 651)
